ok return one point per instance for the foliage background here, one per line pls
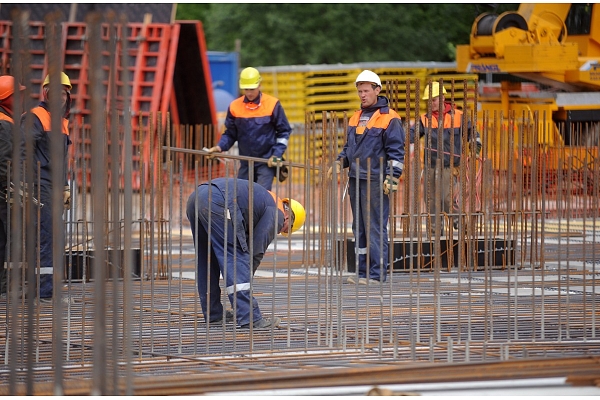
(323, 33)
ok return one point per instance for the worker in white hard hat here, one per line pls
(39, 133)
(374, 134)
(220, 210)
(441, 112)
(257, 122)
(7, 90)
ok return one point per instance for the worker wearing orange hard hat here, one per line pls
(7, 90)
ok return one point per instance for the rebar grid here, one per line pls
(458, 299)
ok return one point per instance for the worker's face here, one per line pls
(49, 97)
(7, 103)
(286, 222)
(367, 95)
(252, 94)
(435, 102)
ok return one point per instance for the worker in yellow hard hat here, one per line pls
(257, 122)
(442, 112)
(7, 90)
(40, 135)
(374, 133)
(220, 210)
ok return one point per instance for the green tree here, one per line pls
(287, 34)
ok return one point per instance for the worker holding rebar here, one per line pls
(444, 114)
(7, 89)
(257, 122)
(40, 136)
(375, 138)
(227, 216)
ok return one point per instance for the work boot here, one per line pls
(352, 280)
(363, 281)
(228, 318)
(263, 324)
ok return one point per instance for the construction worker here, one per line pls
(374, 133)
(40, 137)
(452, 120)
(219, 213)
(258, 123)
(7, 89)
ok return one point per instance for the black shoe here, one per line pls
(228, 318)
(263, 324)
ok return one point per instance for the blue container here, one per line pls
(224, 71)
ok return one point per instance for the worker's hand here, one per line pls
(67, 197)
(274, 162)
(338, 168)
(211, 152)
(474, 149)
(390, 184)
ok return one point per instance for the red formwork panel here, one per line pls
(158, 86)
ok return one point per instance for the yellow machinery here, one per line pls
(554, 45)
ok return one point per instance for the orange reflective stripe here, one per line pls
(4, 117)
(267, 104)
(277, 201)
(44, 117)
(377, 120)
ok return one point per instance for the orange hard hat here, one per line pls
(7, 86)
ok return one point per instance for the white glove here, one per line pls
(338, 169)
(211, 152)
(390, 184)
(274, 161)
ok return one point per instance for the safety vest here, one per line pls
(44, 117)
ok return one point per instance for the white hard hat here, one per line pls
(368, 76)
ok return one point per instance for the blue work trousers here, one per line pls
(263, 174)
(372, 216)
(46, 240)
(220, 254)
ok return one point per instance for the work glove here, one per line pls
(211, 152)
(274, 161)
(390, 184)
(475, 149)
(338, 168)
(67, 197)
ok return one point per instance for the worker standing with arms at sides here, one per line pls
(220, 210)
(40, 137)
(258, 123)
(451, 121)
(7, 89)
(374, 132)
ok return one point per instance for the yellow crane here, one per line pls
(556, 45)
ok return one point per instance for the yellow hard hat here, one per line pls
(298, 218)
(435, 90)
(250, 78)
(64, 79)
